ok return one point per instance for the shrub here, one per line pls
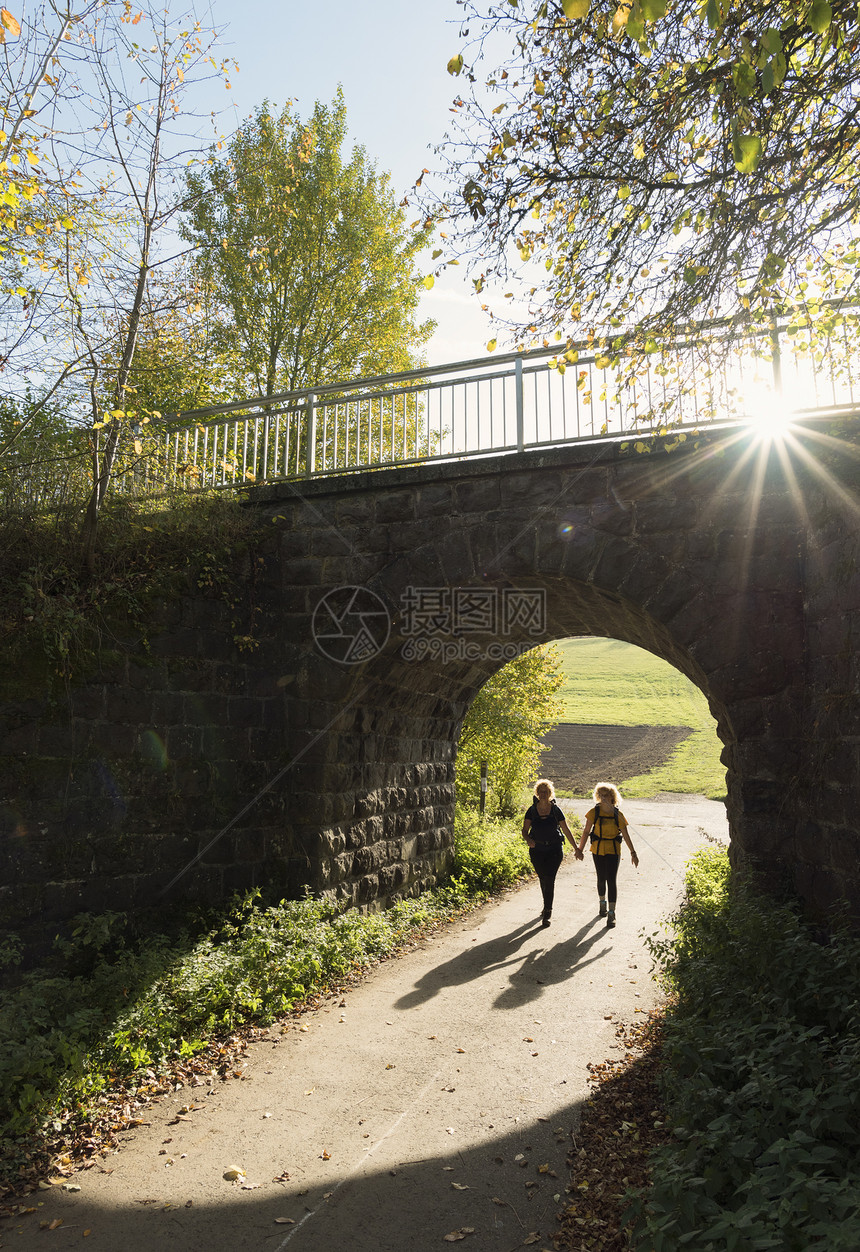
(490, 854)
(761, 1078)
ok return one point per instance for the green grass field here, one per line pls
(611, 683)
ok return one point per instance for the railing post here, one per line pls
(518, 393)
(776, 361)
(266, 422)
(311, 425)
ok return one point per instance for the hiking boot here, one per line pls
(602, 912)
(546, 920)
(610, 920)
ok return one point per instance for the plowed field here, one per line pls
(579, 756)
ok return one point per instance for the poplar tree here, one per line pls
(307, 251)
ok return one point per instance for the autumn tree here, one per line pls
(122, 132)
(503, 727)
(646, 163)
(307, 251)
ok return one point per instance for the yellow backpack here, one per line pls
(598, 837)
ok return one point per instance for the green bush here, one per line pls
(761, 1079)
(490, 854)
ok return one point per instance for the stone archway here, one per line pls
(736, 563)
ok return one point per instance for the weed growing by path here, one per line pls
(490, 854)
(118, 1002)
(761, 1076)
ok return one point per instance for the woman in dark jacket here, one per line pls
(544, 829)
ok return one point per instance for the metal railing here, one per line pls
(496, 405)
(504, 404)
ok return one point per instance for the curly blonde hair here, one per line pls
(612, 794)
(545, 782)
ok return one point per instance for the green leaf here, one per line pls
(575, 10)
(635, 24)
(820, 16)
(712, 14)
(653, 10)
(747, 152)
(455, 65)
(744, 78)
(771, 40)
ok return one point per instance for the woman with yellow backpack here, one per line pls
(606, 826)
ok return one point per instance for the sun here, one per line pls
(768, 414)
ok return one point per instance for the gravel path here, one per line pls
(440, 1095)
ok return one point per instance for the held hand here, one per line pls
(580, 856)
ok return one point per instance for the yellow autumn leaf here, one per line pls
(575, 10)
(491, 346)
(12, 24)
(429, 281)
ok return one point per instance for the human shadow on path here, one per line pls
(532, 970)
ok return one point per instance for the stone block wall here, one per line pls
(340, 776)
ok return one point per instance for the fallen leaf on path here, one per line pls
(285, 1221)
(456, 1235)
(310, 1090)
(459, 1186)
(503, 1204)
(71, 1186)
(325, 1155)
(461, 1049)
(390, 1066)
(233, 1174)
(534, 1237)
(283, 1177)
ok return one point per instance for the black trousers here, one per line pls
(546, 858)
(607, 872)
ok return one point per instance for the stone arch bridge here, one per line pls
(382, 601)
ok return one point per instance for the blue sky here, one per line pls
(390, 56)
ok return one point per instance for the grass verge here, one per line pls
(761, 1079)
(694, 768)
(86, 1039)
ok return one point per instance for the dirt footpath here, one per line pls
(440, 1097)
